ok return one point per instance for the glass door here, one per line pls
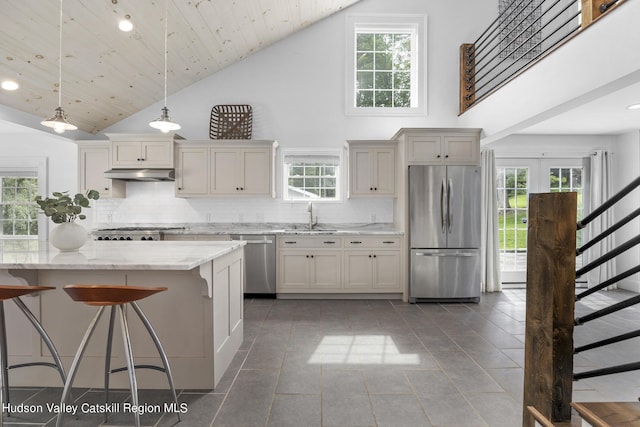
(515, 180)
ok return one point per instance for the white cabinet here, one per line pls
(372, 264)
(372, 168)
(192, 166)
(240, 171)
(441, 146)
(339, 265)
(94, 158)
(225, 168)
(309, 264)
(141, 151)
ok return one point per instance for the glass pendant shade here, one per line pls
(164, 123)
(59, 122)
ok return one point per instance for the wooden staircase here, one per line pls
(595, 414)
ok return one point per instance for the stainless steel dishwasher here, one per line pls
(260, 265)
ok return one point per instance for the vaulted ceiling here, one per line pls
(108, 74)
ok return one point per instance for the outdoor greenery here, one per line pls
(19, 213)
(61, 207)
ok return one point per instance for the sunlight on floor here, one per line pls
(361, 350)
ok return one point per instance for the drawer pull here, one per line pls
(355, 242)
(288, 242)
(388, 242)
(331, 242)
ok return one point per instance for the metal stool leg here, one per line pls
(4, 380)
(45, 337)
(107, 360)
(163, 355)
(76, 362)
(130, 366)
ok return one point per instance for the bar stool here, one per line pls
(11, 292)
(116, 296)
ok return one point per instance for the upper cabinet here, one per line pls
(94, 158)
(441, 146)
(371, 168)
(225, 168)
(142, 150)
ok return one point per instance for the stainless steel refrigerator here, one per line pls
(444, 233)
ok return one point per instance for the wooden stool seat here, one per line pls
(98, 295)
(14, 291)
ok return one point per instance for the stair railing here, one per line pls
(551, 297)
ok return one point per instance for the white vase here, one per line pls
(68, 236)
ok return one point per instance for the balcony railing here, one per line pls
(523, 33)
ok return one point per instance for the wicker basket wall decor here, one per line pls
(231, 122)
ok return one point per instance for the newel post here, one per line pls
(551, 275)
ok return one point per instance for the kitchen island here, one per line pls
(199, 319)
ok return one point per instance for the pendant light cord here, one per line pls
(166, 26)
(60, 59)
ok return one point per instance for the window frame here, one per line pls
(301, 152)
(38, 166)
(416, 24)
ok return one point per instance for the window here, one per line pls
(19, 211)
(385, 65)
(311, 176)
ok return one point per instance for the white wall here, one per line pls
(626, 168)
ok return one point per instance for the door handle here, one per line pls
(442, 191)
(449, 213)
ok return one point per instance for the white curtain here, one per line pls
(489, 243)
(601, 190)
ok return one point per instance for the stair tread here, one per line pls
(609, 414)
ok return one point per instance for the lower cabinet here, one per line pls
(351, 264)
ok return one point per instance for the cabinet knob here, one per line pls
(106, 188)
(179, 188)
(369, 256)
(447, 156)
(375, 188)
(438, 156)
(370, 188)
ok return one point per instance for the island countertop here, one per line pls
(125, 255)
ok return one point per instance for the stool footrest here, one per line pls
(124, 368)
(24, 365)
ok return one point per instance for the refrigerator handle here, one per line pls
(442, 195)
(449, 213)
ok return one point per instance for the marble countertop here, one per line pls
(121, 255)
(269, 228)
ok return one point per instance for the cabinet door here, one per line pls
(192, 171)
(326, 272)
(358, 272)
(157, 154)
(294, 270)
(93, 162)
(385, 172)
(424, 149)
(461, 150)
(224, 173)
(386, 270)
(256, 172)
(361, 171)
(126, 153)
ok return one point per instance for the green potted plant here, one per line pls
(64, 210)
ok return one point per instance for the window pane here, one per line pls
(383, 61)
(402, 99)
(364, 41)
(365, 80)
(383, 80)
(315, 181)
(19, 211)
(364, 98)
(383, 98)
(365, 61)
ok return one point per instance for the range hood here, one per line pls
(141, 174)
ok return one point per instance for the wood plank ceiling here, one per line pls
(107, 75)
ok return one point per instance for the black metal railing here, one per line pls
(599, 261)
(522, 34)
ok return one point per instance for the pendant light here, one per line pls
(164, 123)
(59, 121)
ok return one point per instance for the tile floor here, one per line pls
(374, 363)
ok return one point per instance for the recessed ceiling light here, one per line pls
(125, 24)
(10, 85)
(634, 107)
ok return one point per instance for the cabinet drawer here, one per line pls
(368, 242)
(293, 242)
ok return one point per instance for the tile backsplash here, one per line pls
(155, 202)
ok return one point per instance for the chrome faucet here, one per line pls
(311, 221)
